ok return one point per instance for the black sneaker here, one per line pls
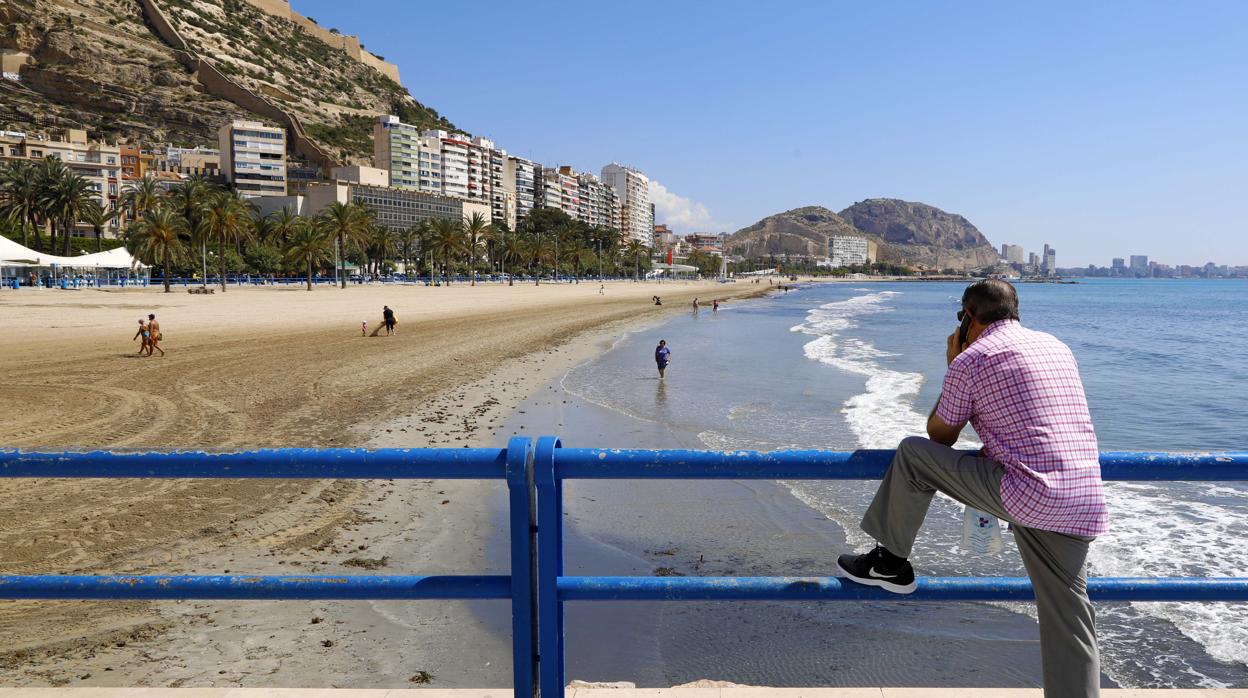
(875, 569)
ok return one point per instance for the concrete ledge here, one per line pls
(734, 692)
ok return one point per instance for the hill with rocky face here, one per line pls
(903, 232)
(801, 231)
(923, 234)
(104, 65)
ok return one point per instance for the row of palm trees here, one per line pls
(45, 196)
(170, 227)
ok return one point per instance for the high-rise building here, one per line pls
(253, 157)
(453, 149)
(97, 162)
(396, 149)
(1012, 254)
(1049, 263)
(847, 250)
(599, 203)
(1139, 265)
(480, 183)
(502, 190)
(521, 175)
(633, 189)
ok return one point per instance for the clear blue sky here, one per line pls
(1104, 129)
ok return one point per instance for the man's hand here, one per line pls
(953, 347)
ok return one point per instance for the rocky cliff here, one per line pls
(923, 234)
(99, 65)
(801, 231)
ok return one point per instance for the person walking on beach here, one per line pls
(662, 355)
(1039, 470)
(153, 335)
(715, 306)
(387, 316)
(143, 350)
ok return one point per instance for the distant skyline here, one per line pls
(1104, 130)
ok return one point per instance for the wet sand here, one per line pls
(261, 367)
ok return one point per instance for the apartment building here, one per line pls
(396, 149)
(480, 180)
(397, 209)
(445, 154)
(708, 242)
(849, 250)
(1013, 253)
(633, 189)
(253, 157)
(599, 205)
(98, 163)
(502, 190)
(521, 176)
(189, 162)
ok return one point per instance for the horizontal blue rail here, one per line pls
(239, 587)
(866, 464)
(929, 589)
(346, 463)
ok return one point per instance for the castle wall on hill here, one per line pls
(347, 43)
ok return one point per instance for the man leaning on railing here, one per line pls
(1038, 469)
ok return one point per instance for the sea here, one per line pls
(858, 365)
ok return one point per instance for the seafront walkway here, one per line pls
(537, 588)
(578, 692)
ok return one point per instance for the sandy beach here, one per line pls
(263, 367)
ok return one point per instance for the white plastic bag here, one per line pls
(981, 533)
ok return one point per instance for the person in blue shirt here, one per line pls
(662, 355)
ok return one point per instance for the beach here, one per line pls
(269, 367)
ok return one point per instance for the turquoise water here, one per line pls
(846, 366)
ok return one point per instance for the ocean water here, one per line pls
(845, 366)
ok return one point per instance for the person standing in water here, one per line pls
(662, 355)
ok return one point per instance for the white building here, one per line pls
(396, 149)
(1013, 254)
(599, 204)
(636, 218)
(253, 157)
(520, 175)
(1048, 262)
(848, 250)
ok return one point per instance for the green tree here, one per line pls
(634, 251)
(228, 220)
(142, 195)
(283, 225)
(20, 199)
(406, 243)
(381, 246)
(477, 232)
(97, 217)
(190, 197)
(348, 224)
(446, 240)
(158, 236)
(310, 244)
(65, 197)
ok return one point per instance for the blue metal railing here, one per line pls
(537, 587)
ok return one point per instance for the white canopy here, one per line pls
(15, 254)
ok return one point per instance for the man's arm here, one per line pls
(939, 431)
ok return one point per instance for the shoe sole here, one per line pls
(881, 583)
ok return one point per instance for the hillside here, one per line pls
(923, 233)
(903, 231)
(801, 231)
(101, 65)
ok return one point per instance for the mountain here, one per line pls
(801, 231)
(923, 234)
(151, 71)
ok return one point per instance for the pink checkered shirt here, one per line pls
(1021, 391)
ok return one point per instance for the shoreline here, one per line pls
(456, 388)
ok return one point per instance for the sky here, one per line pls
(1103, 129)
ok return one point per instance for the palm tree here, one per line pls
(97, 217)
(635, 250)
(65, 197)
(446, 239)
(283, 225)
(158, 236)
(348, 224)
(512, 249)
(309, 243)
(189, 197)
(540, 251)
(381, 245)
(143, 195)
(19, 198)
(477, 231)
(407, 240)
(228, 219)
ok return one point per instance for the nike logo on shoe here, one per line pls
(872, 573)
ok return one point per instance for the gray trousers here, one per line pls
(1054, 561)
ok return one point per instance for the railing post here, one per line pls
(523, 566)
(549, 568)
